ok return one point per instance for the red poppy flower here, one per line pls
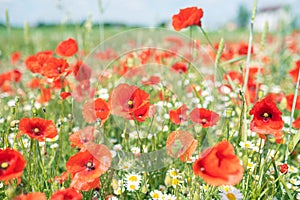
(79, 138)
(294, 72)
(175, 41)
(14, 75)
(235, 76)
(83, 90)
(180, 67)
(12, 164)
(35, 62)
(204, 117)
(33, 83)
(228, 52)
(37, 128)
(145, 55)
(60, 179)
(219, 165)
(65, 95)
(179, 115)
(276, 97)
(45, 95)
(82, 71)
(187, 17)
(181, 144)
(267, 119)
(296, 123)
(284, 168)
(108, 54)
(289, 102)
(153, 80)
(31, 196)
(130, 102)
(55, 67)
(86, 166)
(67, 48)
(15, 57)
(96, 109)
(85, 185)
(69, 193)
(243, 49)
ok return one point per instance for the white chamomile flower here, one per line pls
(293, 169)
(250, 165)
(173, 172)
(168, 197)
(204, 187)
(156, 194)
(230, 193)
(295, 181)
(298, 196)
(247, 145)
(133, 177)
(176, 181)
(113, 198)
(54, 146)
(135, 150)
(132, 186)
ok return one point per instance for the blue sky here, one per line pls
(141, 12)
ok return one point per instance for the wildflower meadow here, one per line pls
(177, 113)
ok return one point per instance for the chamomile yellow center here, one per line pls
(230, 196)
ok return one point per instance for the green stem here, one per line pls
(249, 46)
(208, 39)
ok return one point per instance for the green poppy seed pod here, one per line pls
(14, 123)
(126, 136)
(260, 94)
(168, 181)
(17, 99)
(291, 146)
(34, 112)
(13, 110)
(144, 189)
(228, 112)
(10, 192)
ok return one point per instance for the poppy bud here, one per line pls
(284, 168)
(168, 181)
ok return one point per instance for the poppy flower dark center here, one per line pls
(180, 117)
(130, 103)
(203, 121)
(4, 165)
(266, 116)
(90, 165)
(36, 131)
